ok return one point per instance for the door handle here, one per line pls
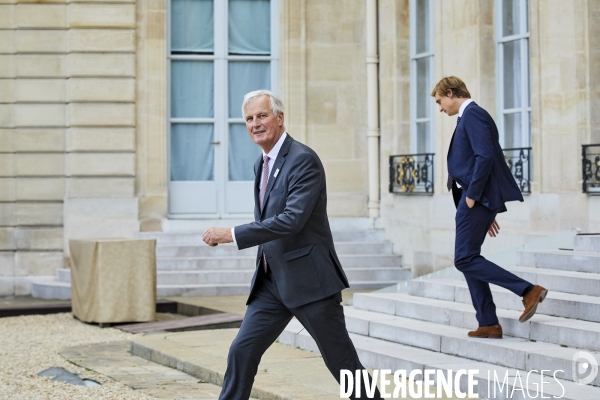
(217, 142)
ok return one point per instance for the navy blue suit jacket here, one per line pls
(293, 229)
(476, 161)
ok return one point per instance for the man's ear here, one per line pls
(450, 94)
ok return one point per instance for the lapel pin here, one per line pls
(276, 173)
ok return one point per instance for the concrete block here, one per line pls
(395, 332)
(41, 41)
(39, 140)
(506, 356)
(375, 235)
(100, 187)
(91, 89)
(50, 290)
(7, 264)
(589, 243)
(118, 65)
(6, 140)
(44, 189)
(7, 238)
(101, 15)
(102, 164)
(98, 114)
(7, 287)
(7, 14)
(39, 238)
(7, 189)
(378, 303)
(7, 165)
(41, 90)
(41, 66)
(7, 68)
(39, 16)
(7, 214)
(47, 115)
(7, 41)
(98, 40)
(426, 288)
(6, 115)
(38, 263)
(101, 139)
(46, 214)
(40, 164)
(7, 93)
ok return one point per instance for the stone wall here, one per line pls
(67, 131)
(323, 84)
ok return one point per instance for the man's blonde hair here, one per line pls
(451, 84)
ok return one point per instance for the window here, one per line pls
(421, 75)
(218, 51)
(514, 106)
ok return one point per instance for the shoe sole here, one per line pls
(486, 337)
(531, 312)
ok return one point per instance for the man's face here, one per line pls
(264, 128)
(447, 104)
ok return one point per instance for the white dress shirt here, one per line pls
(272, 157)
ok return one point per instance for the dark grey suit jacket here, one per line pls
(293, 229)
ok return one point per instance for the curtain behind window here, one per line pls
(192, 26)
(250, 27)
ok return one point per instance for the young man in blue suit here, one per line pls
(481, 183)
(298, 273)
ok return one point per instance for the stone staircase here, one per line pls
(186, 266)
(425, 327)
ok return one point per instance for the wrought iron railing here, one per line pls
(590, 163)
(412, 174)
(518, 160)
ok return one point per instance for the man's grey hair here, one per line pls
(276, 103)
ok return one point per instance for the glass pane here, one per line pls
(422, 28)
(511, 17)
(526, 15)
(192, 26)
(243, 153)
(249, 27)
(512, 131)
(192, 89)
(192, 153)
(423, 137)
(244, 77)
(423, 87)
(512, 74)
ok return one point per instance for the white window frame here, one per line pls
(525, 109)
(220, 119)
(414, 56)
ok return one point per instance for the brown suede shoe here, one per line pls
(531, 301)
(492, 332)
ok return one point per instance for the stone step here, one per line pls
(543, 328)
(230, 250)
(380, 277)
(203, 289)
(50, 290)
(589, 243)
(367, 235)
(382, 354)
(509, 352)
(197, 263)
(200, 225)
(561, 281)
(558, 304)
(561, 259)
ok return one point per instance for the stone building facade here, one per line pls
(85, 94)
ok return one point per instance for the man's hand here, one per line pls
(494, 229)
(470, 202)
(213, 236)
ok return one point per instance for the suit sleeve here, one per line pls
(304, 187)
(480, 136)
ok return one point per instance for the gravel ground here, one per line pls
(30, 344)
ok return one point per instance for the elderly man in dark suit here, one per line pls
(481, 183)
(298, 273)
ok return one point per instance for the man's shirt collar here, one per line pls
(464, 105)
(275, 150)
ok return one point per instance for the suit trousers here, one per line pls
(265, 319)
(472, 225)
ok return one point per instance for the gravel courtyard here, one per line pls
(30, 344)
